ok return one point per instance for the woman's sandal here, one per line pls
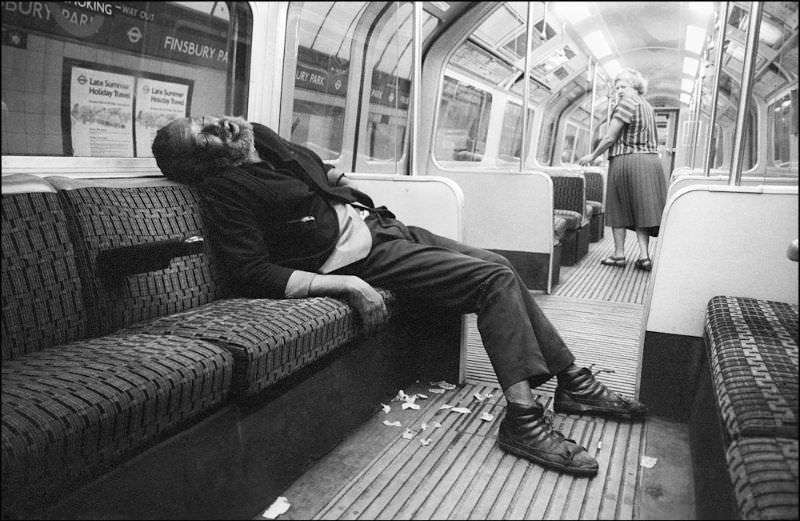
(614, 261)
(644, 265)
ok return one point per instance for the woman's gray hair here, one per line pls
(635, 77)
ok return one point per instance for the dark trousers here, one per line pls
(416, 264)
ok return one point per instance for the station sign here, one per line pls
(390, 90)
(321, 72)
(153, 29)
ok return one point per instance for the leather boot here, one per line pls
(579, 392)
(529, 433)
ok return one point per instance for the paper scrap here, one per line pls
(278, 507)
(461, 410)
(410, 405)
(422, 396)
(487, 417)
(437, 425)
(444, 385)
(423, 426)
(392, 424)
(385, 408)
(436, 391)
(425, 441)
(401, 396)
(408, 434)
(648, 462)
(445, 406)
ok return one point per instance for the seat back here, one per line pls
(104, 217)
(42, 292)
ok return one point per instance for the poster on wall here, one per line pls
(115, 112)
(101, 113)
(157, 103)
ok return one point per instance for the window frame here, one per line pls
(123, 167)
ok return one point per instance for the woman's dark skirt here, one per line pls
(637, 192)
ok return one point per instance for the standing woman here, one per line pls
(637, 189)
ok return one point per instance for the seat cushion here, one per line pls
(74, 410)
(269, 339)
(764, 476)
(752, 350)
(559, 227)
(573, 219)
(596, 207)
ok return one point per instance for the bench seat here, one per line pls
(752, 353)
(268, 338)
(752, 349)
(764, 476)
(73, 410)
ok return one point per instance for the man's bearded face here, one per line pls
(226, 137)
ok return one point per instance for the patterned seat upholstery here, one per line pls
(42, 301)
(752, 349)
(764, 476)
(573, 219)
(594, 207)
(105, 218)
(73, 410)
(559, 227)
(270, 339)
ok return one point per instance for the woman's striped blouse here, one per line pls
(639, 134)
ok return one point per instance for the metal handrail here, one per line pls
(526, 88)
(750, 55)
(416, 85)
(715, 89)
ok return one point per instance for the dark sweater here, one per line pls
(270, 218)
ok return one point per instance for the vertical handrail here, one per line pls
(698, 92)
(593, 69)
(416, 86)
(750, 55)
(715, 88)
(526, 88)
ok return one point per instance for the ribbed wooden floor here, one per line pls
(462, 474)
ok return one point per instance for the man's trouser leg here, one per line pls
(418, 265)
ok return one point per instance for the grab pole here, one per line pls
(750, 55)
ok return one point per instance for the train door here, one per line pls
(667, 124)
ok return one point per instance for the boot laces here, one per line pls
(625, 400)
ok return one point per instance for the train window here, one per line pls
(321, 69)
(511, 137)
(390, 86)
(97, 79)
(782, 116)
(463, 122)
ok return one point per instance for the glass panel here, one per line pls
(96, 79)
(511, 137)
(783, 135)
(463, 122)
(390, 91)
(324, 36)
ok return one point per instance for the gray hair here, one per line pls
(635, 77)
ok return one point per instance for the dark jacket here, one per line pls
(267, 219)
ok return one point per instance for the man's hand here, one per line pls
(338, 178)
(368, 303)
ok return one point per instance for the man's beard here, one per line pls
(238, 149)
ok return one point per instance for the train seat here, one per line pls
(595, 204)
(752, 352)
(102, 367)
(72, 406)
(569, 201)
